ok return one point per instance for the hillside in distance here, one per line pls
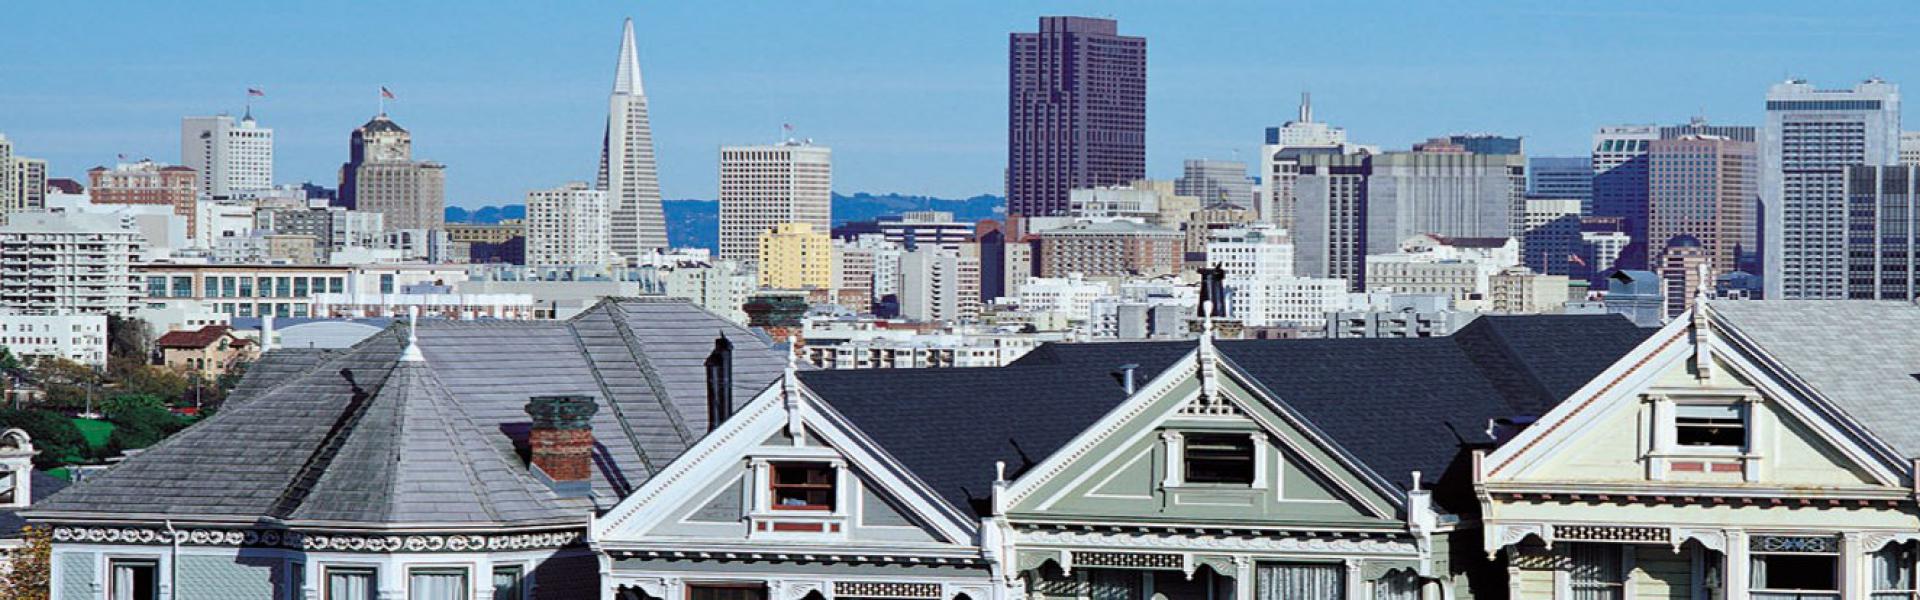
(695, 223)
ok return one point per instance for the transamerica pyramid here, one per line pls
(627, 170)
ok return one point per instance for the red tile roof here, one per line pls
(201, 338)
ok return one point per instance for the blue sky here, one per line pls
(910, 95)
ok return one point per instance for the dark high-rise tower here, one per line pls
(1076, 112)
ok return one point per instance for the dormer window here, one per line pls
(1709, 425)
(1219, 458)
(803, 486)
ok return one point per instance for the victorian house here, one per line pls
(1748, 450)
(1283, 469)
(451, 460)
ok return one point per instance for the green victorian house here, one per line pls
(1748, 450)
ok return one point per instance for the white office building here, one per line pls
(764, 186)
(1910, 148)
(937, 284)
(1258, 252)
(628, 171)
(568, 225)
(79, 338)
(1072, 296)
(68, 264)
(1812, 136)
(231, 156)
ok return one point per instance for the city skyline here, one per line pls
(523, 110)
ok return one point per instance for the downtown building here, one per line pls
(1216, 181)
(1280, 160)
(23, 181)
(381, 176)
(1883, 235)
(1354, 205)
(1812, 137)
(149, 183)
(568, 226)
(762, 187)
(1703, 191)
(628, 170)
(1076, 110)
(1620, 178)
(232, 157)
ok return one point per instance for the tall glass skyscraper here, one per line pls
(1076, 112)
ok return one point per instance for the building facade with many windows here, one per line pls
(1076, 112)
(764, 186)
(1812, 136)
(68, 264)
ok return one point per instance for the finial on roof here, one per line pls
(412, 353)
(1706, 282)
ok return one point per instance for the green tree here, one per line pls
(66, 382)
(127, 337)
(135, 376)
(54, 435)
(8, 361)
(139, 421)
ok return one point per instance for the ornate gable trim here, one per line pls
(783, 406)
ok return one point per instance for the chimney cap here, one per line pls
(562, 412)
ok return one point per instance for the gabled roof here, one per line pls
(1861, 355)
(356, 436)
(1433, 394)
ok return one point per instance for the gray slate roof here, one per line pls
(1394, 405)
(1861, 355)
(359, 437)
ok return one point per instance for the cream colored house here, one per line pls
(1749, 450)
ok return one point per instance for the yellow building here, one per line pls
(794, 256)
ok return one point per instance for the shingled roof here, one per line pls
(1863, 356)
(1435, 395)
(360, 437)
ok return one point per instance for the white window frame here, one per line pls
(325, 582)
(466, 571)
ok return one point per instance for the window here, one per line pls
(134, 580)
(803, 486)
(506, 583)
(1796, 577)
(1299, 581)
(1595, 573)
(1219, 458)
(726, 592)
(349, 584)
(1893, 573)
(1697, 425)
(437, 584)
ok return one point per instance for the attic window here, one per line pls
(803, 486)
(1709, 425)
(1219, 458)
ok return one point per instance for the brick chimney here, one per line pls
(562, 441)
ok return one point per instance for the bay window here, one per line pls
(437, 584)
(1795, 568)
(1893, 573)
(349, 584)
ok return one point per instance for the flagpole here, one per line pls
(382, 95)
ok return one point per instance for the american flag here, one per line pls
(1575, 259)
(256, 92)
(385, 93)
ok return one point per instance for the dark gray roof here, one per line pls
(359, 436)
(44, 485)
(1861, 355)
(950, 425)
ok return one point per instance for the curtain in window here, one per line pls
(437, 585)
(124, 577)
(1893, 573)
(1398, 585)
(1114, 585)
(506, 584)
(1595, 572)
(349, 585)
(1300, 582)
